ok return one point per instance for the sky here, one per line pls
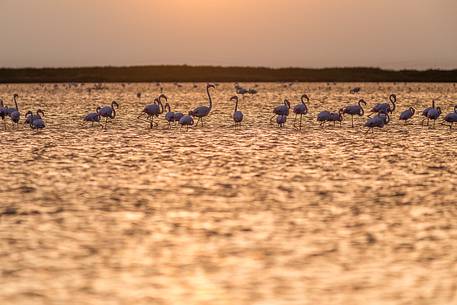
(392, 34)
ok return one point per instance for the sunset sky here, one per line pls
(277, 33)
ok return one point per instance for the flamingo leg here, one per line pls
(271, 119)
(352, 121)
(301, 117)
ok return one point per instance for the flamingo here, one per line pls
(93, 117)
(109, 112)
(152, 110)
(451, 117)
(241, 91)
(237, 115)
(385, 107)
(425, 112)
(14, 113)
(169, 116)
(10, 110)
(203, 111)
(301, 109)
(355, 90)
(37, 122)
(281, 109)
(187, 120)
(29, 116)
(434, 114)
(407, 114)
(378, 121)
(355, 110)
(281, 120)
(323, 116)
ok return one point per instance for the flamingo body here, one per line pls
(378, 121)
(407, 114)
(386, 107)
(452, 117)
(37, 124)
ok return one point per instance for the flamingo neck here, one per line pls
(393, 100)
(236, 105)
(209, 98)
(15, 102)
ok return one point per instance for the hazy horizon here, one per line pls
(411, 34)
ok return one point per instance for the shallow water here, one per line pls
(258, 215)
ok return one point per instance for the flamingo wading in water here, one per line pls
(30, 117)
(169, 116)
(93, 117)
(237, 114)
(187, 120)
(378, 121)
(109, 112)
(281, 110)
(152, 110)
(452, 117)
(407, 114)
(301, 109)
(386, 107)
(434, 114)
(355, 110)
(14, 113)
(425, 113)
(203, 111)
(323, 116)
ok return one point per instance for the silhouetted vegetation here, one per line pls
(220, 74)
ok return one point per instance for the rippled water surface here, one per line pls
(257, 215)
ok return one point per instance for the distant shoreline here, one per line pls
(184, 73)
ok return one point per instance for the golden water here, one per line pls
(258, 215)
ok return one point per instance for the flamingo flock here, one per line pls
(380, 114)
